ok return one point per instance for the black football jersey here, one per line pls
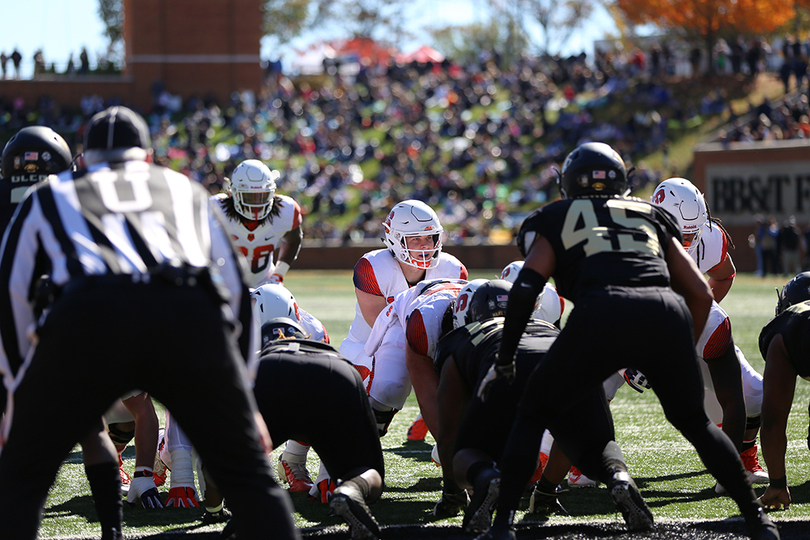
(603, 241)
(794, 325)
(474, 347)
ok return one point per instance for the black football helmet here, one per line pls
(795, 291)
(489, 300)
(35, 150)
(281, 328)
(593, 168)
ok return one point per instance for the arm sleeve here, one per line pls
(527, 286)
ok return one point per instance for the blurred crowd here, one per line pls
(480, 143)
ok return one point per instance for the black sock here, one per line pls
(361, 484)
(476, 469)
(105, 484)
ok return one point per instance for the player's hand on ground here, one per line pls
(496, 371)
(151, 499)
(182, 497)
(636, 380)
(143, 488)
(775, 498)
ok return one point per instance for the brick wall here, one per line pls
(195, 47)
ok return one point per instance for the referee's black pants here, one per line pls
(101, 341)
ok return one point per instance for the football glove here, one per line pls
(182, 497)
(496, 371)
(276, 279)
(143, 488)
(322, 491)
(636, 380)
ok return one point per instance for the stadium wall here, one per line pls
(744, 182)
(317, 256)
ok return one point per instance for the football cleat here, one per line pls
(628, 500)
(418, 430)
(451, 504)
(221, 516)
(756, 474)
(478, 516)
(578, 480)
(126, 479)
(293, 470)
(347, 502)
(545, 503)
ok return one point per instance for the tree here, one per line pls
(558, 19)
(707, 18)
(111, 13)
(465, 43)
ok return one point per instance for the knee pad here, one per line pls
(119, 435)
(753, 422)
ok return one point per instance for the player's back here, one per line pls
(602, 242)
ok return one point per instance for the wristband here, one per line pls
(779, 483)
(281, 268)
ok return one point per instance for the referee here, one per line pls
(148, 292)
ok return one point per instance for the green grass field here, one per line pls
(667, 469)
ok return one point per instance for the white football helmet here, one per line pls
(413, 218)
(685, 202)
(271, 301)
(548, 307)
(461, 306)
(253, 186)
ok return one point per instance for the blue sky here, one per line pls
(62, 27)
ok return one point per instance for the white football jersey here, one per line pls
(378, 272)
(712, 249)
(414, 318)
(259, 242)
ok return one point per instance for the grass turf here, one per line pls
(667, 469)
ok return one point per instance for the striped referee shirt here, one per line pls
(113, 219)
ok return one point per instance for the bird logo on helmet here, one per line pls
(408, 219)
(686, 204)
(592, 169)
(795, 291)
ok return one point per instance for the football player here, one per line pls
(264, 226)
(723, 363)
(620, 261)
(344, 434)
(175, 450)
(784, 343)
(412, 234)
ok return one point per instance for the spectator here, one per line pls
(769, 243)
(84, 62)
(3, 62)
(789, 237)
(16, 58)
(39, 63)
